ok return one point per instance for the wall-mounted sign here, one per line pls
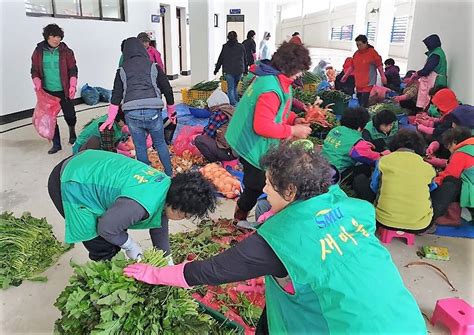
(155, 18)
(162, 10)
(234, 11)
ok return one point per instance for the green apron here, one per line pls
(345, 281)
(92, 129)
(240, 133)
(467, 178)
(441, 69)
(338, 145)
(93, 180)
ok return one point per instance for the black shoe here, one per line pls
(53, 150)
(72, 135)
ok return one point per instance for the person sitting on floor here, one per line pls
(401, 185)
(212, 143)
(382, 128)
(92, 138)
(345, 148)
(392, 72)
(409, 94)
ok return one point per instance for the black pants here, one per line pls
(361, 186)
(448, 192)
(209, 149)
(67, 106)
(262, 325)
(363, 99)
(348, 175)
(254, 182)
(99, 249)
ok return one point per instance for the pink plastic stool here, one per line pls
(456, 314)
(231, 164)
(386, 236)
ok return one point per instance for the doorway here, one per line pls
(180, 41)
(163, 36)
(237, 24)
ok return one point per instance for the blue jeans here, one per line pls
(142, 122)
(232, 83)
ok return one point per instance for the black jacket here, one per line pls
(232, 58)
(250, 50)
(140, 90)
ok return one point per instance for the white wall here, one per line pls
(96, 45)
(452, 21)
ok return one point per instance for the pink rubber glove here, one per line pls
(149, 141)
(426, 122)
(262, 218)
(112, 113)
(72, 87)
(425, 130)
(168, 275)
(400, 98)
(37, 83)
(171, 110)
(432, 148)
(437, 162)
(385, 152)
(412, 119)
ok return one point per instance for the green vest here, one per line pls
(51, 73)
(375, 134)
(467, 178)
(442, 68)
(93, 180)
(434, 111)
(337, 146)
(240, 133)
(345, 281)
(92, 129)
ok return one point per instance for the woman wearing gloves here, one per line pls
(326, 272)
(263, 118)
(138, 86)
(365, 63)
(102, 194)
(53, 68)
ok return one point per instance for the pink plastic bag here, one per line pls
(185, 140)
(45, 114)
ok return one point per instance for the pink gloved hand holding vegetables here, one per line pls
(112, 113)
(437, 162)
(37, 83)
(432, 148)
(168, 275)
(425, 130)
(72, 87)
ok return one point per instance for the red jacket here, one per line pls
(365, 63)
(67, 64)
(458, 162)
(266, 109)
(155, 57)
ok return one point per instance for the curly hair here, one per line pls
(52, 30)
(455, 136)
(192, 194)
(408, 139)
(385, 116)
(292, 165)
(355, 118)
(291, 58)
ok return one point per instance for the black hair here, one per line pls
(455, 135)
(389, 61)
(250, 34)
(385, 116)
(409, 73)
(232, 36)
(52, 30)
(122, 45)
(292, 167)
(363, 39)
(435, 90)
(291, 58)
(408, 139)
(355, 118)
(295, 33)
(192, 194)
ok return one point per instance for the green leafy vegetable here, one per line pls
(198, 103)
(374, 109)
(310, 78)
(206, 86)
(331, 96)
(27, 248)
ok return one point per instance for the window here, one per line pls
(371, 26)
(342, 33)
(87, 9)
(399, 29)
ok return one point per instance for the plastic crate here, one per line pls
(190, 95)
(224, 86)
(310, 87)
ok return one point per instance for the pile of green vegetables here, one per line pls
(334, 95)
(27, 248)
(101, 300)
(374, 109)
(309, 77)
(308, 98)
(198, 103)
(207, 86)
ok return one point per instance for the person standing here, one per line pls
(366, 61)
(232, 60)
(250, 49)
(155, 56)
(54, 69)
(264, 49)
(139, 85)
